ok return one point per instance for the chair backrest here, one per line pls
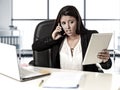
(42, 58)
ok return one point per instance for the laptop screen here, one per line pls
(9, 61)
(10, 65)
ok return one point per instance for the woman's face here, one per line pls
(69, 25)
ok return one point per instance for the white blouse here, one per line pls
(67, 61)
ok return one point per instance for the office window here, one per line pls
(106, 27)
(27, 29)
(103, 26)
(28, 13)
(101, 15)
(103, 9)
(30, 9)
(56, 5)
(104, 16)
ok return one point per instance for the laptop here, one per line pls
(10, 65)
(98, 42)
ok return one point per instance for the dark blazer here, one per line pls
(48, 42)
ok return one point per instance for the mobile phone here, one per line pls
(62, 32)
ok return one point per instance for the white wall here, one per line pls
(5, 14)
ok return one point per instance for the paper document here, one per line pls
(63, 80)
(98, 42)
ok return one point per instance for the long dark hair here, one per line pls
(71, 11)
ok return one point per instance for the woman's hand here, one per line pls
(104, 55)
(56, 33)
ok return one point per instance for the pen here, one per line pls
(41, 83)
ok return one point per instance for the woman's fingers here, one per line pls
(104, 55)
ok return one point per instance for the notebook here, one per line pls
(10, 65)
(98, 42)
(63, 80)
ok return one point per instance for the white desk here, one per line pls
(90, 81)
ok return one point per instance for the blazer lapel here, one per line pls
(84, 44)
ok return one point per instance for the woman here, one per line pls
(69, 41)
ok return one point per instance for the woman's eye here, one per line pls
(63, 23)
(71, 22)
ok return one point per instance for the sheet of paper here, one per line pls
(98, 42)
(63, 80)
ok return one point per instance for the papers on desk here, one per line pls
(63, 80)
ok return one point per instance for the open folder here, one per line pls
(63, 80)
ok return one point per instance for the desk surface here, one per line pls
(89, 81)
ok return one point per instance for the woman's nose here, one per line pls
(67, 26)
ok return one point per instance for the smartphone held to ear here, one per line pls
(62, 32)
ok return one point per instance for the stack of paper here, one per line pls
(63, 80)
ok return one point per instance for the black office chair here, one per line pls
(42, 58)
